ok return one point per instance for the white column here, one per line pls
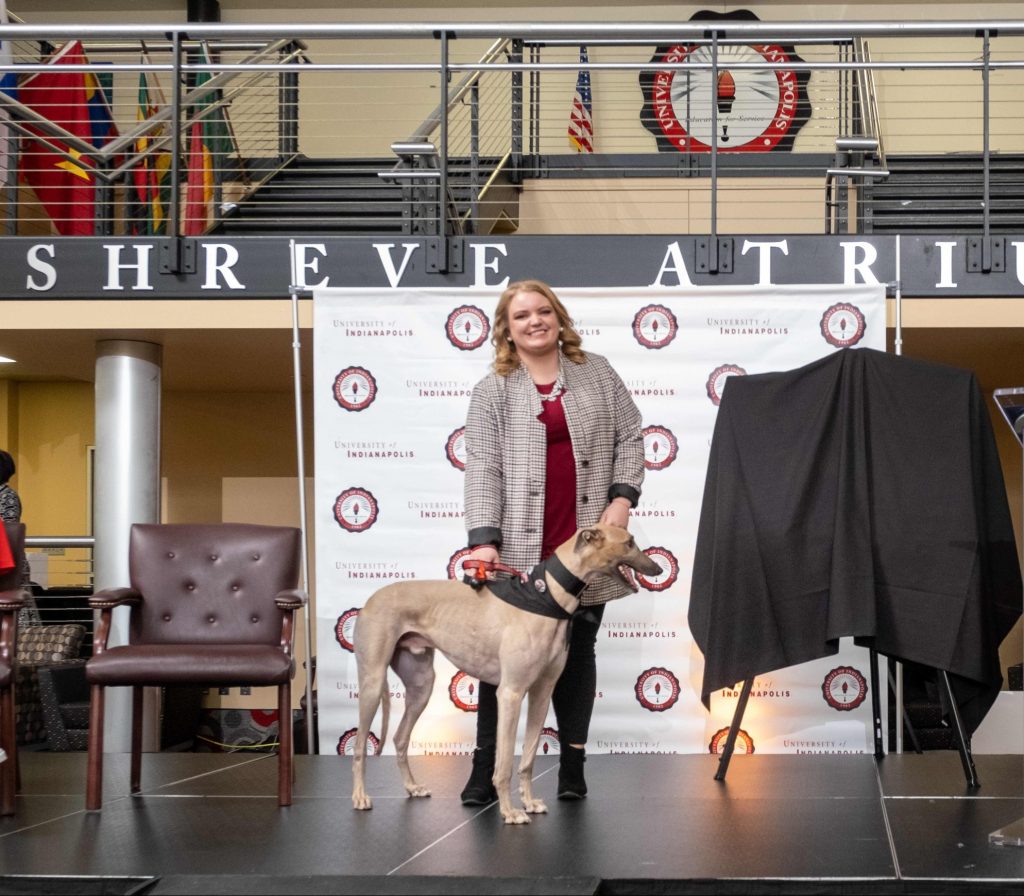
(127, 490)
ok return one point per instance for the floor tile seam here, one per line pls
(973, 798)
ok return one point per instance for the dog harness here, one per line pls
(528, 592)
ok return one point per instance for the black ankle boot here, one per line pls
(571, 785)
(479, 790)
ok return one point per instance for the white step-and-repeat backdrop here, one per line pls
(393, 372)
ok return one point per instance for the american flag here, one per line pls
(581, 120)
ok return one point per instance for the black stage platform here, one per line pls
(209, 823)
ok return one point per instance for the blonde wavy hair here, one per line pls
(506, 357)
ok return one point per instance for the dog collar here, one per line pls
(560, 573)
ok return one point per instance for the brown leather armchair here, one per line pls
(12, 599)
(212, 605)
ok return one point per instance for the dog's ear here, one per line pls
(592, 535)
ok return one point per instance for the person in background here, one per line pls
(10, 512)
(553, 443)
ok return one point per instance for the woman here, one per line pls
(10, 512)
(553, 443)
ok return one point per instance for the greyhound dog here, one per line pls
(520, 651)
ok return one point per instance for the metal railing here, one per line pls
(494, 154)
(62, 580)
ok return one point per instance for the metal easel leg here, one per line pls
(966, 759)
(734, 729)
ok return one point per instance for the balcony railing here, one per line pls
(212, 123)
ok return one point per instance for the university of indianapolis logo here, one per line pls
(716, 381)
(656, 689)
(654, 326)
(549, 745)
(464, 692)
(669, 566)
(455, 570)
(744, 742)
(355, 388)
(660, 447)
(344, 629)
(347, 743)
(455, 448)
(844, 688)
(751, 109)
(843, 325)
(467, 328)
(355, 509)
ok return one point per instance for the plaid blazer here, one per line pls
(506, 455)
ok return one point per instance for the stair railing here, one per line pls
(453, 130)
(860, 156)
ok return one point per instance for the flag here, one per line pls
(6, 554)
(151, 182)
(76, 102)
(209, 144)
(581, 118)
(9, 85)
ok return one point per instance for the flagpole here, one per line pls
(297, 377)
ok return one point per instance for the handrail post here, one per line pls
(288, 111)
(516, 161)
(171, 250)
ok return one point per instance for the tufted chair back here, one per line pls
(211, 604)
(213, 583)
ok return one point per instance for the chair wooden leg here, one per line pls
(136, 769)
(9, 742)
(94, 768)
(285, 768)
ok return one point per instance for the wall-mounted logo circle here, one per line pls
(455, 570)
(844, 688)
(467, 328)
(464, 692)
(716, 381)
(654, 326)
(843, 325)
(344, 629)
(347, 743)
(355, 509)
(549, 744)
(656, 689)
(670, 570)
(744, 742)
(660, 447)
(355, 388)
(455, 448)
(752, 109)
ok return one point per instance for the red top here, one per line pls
(560, 482)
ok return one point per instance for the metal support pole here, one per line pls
(301, 467)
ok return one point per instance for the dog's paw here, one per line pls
(361, 801)
(417, 790)
(535, 807)
(516, 816)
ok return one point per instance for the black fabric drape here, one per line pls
(860, 495)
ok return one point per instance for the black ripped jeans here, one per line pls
(573, 698)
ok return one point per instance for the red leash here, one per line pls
(481, 568)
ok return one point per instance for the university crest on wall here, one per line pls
(754, 109)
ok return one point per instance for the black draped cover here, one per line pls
(860, 495)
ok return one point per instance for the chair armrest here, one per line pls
(292, 599)
(12, 600)
(114, 597)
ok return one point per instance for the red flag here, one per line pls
(73, 100)
(6, 555)
(199, 176)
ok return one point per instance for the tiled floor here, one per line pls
(210, 823)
